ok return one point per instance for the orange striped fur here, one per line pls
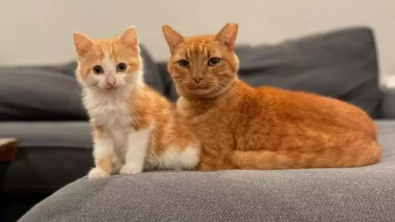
(241, 127)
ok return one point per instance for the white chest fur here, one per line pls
(112, 111)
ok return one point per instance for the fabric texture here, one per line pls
(40, 93)
(340, 64)
(356, 194)
(52, 92)
(388, 106)
(50, 155)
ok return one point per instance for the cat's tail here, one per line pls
(356, 155)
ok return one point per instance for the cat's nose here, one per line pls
(111, 83)
(197, 79)
(111, 80)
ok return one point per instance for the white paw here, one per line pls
(97, 173)
(131, 169)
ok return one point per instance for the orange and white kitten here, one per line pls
(133, 125)
(241, 127)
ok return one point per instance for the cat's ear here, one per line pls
(82, 43)
(172, 37)
(228, 35)
(129, 38)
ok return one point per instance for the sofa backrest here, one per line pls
(340, 64)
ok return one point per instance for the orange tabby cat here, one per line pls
(133, 124)
(241, 127)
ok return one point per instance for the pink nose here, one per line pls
(111, 83)
(111, 80)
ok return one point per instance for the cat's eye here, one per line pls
(184, 63)
(97, 70)
(121, 67)
(213, 61)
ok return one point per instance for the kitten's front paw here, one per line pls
(97, 173)
(131, 169)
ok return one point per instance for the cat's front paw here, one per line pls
(131, 169)
(97, 173)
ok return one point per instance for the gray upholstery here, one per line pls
(357, 194)
(40, 93)
(49, 134)
(388, 106)
(50, 155)
(52, 92)
(340, 64)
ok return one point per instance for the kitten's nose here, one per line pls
(197, 79)
(111, 80)
(111, 83)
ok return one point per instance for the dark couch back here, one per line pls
(340, 64)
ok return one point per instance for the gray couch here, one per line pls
(359, 194)
(41, 106)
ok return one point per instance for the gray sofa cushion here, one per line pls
(40, 93)
(355, 194)
(340, 64)
(388, 106)
(50, 155)
(51, 92)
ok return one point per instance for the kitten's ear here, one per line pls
(172, 37)
(82, 43)
(129, 38)
(228, 35)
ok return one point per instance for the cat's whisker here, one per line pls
(226, 88)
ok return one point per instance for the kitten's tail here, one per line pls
(356, 155)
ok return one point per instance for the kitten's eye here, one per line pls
(183, 63)
(213, 61)
(97, 70)
(121, 67)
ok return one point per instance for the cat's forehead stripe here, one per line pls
(200, 46)
(106, 49)
(197, 49)
(108, 52)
